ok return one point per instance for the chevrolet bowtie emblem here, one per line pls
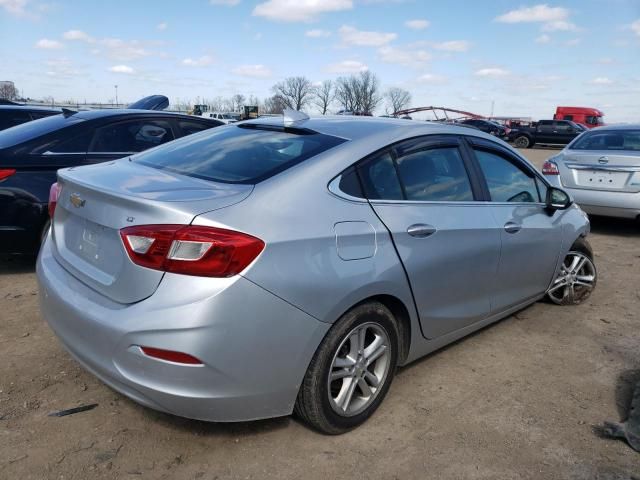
(76, 200)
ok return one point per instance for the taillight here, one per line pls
(191, 249)
(6, 173)
(171, 356)
(54, 194)
(550, 168)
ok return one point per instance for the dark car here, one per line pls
(486, 126)
(30, 155)
(12, 115)
(547, 132)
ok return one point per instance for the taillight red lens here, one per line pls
(6, 173)
(191, 250)
(54, 194)
(171, 356)
(550, 168)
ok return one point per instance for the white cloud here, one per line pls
(124, 50)
(226, 3)
(77, 35)
(15, 7)
(317, 33)
(61, 68)
(417, 24)
(122, 69)
(559, 26)
(47, 44)
(299, 10)
(453, 46)
(601, 81)
(257, 71)
(491, 72)
(432, 78)
(202, 61)
(347, 66)
(544, 38)
(162, 26)
(361, 38)
(538, 13)
(574, 42)
(403, 56)
(635, 26)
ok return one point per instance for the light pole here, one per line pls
(116, 87)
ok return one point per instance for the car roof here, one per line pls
(357, 127)
(30, 108)
(617, 127)
(93, 114)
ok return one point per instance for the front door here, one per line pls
(448, 243)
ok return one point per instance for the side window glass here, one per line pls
(188, 127)
(506, 181)
(77, 144)
(128, 137)
(542, 190)
(436, 174)
(380, 179)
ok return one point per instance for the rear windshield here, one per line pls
(30, 130)
(246, 153)
(628, 140)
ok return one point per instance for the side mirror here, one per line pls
(557, 199)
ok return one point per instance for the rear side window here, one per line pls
(189, 127)
(32, 130)
(628, 140)
(132, 136)
(436, 175)
(380, 179)
(506, 181)
(11, 118)
(239, 154)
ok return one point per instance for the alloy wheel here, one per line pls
(359, 369)
(575, 281)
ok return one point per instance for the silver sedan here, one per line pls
(600, 169)
(268, 267)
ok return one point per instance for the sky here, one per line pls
(522, 58)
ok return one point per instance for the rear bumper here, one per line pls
(255, 347)
(608, 204)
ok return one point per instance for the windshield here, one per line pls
(594, 120)
(246, 153)
(30, 130)
(628, 140)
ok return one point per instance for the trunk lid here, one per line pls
(601, 170)
(97, 201)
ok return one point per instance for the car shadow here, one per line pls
(11, 264)
(619, 227)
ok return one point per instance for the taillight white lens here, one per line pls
(550, 168)
(140, 244)
(188, 251)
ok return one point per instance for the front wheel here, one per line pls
(351, 371)
(522, 141)
(576, 279)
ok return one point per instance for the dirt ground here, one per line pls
(517, 400)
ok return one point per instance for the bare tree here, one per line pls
(8, 91)
(237, 102)
(295, 91)
(274, 105)
(359, 93)
(324, 95)
(397, 99)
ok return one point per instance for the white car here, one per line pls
(225, 117)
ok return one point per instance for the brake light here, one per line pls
(190, 249)
(54, 194)
(171, 356)
(6, 173)
(550, 168)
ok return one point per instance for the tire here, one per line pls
(522, 141)
(323, 403)
(577, 277)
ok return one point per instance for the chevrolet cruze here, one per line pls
(271, 266)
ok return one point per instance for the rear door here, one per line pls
(564, 132)
(121, 138)
(544, 132)
(530, 236)
(423, 192)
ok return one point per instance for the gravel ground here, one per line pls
(519, 399)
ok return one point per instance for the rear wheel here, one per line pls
(522, 141)
(577, 276)
(351, 371)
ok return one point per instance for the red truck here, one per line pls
(589, 117)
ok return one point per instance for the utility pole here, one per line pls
(116, 87)
(493, 103)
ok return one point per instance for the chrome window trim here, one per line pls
(48, 153)
(334, 188)
(476, 203)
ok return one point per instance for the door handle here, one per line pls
(421, 230)
(511, 227)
